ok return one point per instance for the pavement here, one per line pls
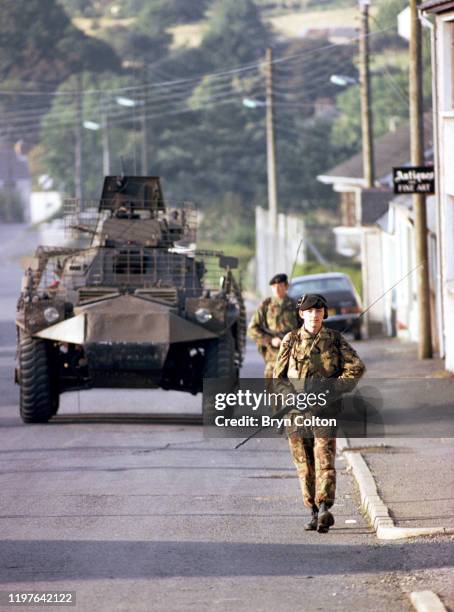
(415, 475)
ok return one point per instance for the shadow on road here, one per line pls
(72, 560)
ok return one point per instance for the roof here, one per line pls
(322, 275)
(13, 167)
(391, 149)
(437, 6)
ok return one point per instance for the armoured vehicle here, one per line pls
(131, 304)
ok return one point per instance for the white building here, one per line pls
(44, 204)
(15, 175)
(389, 268)
(443, 81)
(372, 230)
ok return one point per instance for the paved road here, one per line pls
(139, 516)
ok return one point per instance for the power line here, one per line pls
(112, 108)
(219, 74)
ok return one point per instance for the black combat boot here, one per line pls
(325, 519)
(312, 524)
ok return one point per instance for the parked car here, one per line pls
(344, 303)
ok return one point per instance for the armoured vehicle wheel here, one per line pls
(38, 396)
(220, 364)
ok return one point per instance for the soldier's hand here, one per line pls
(276, 342)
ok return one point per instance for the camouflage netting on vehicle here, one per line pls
(98, 271)
(90, 222)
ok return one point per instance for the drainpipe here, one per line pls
(440, 266)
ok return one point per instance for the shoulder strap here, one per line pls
(337, 337)
(293, 337)
(291, 342)
(262, 309)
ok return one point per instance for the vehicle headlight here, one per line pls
(203, 315)
(51, 314)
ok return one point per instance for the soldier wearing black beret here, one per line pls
(272, 320)
(314, 353)
(279, 278)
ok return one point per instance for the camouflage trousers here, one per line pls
(270, 361)
(314, 458)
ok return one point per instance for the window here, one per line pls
(320, 285)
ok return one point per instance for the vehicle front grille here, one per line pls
(164, 294)
(92, 294)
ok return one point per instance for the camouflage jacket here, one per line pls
(326, 355)
(272, 315)
(305, 359)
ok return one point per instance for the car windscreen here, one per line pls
(319, 285)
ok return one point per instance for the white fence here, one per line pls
(277, 248)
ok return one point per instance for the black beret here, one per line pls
(312, 300)
(279, 278)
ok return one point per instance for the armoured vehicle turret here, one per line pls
(131, 303)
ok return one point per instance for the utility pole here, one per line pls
(270, 143)
(144, 141)
(144, 127)
(78, 167)
(105, 135)
(419, 199)
(366, 109)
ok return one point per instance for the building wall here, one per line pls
(14, 174)
(390, 276)
(44, 204)
(24, 187)
(348, 208)
(372, 280)
(405, 292)
(445, 139)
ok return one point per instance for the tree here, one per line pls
(52, 46)
(79, 7)
(389, 108)
(306, 77)
(386, 20)
(51, 50)
(172, 12)
(388, 10)
(216, 150)
(390, 103)
(59, 126)
(236, 34)
(138, 46)
(303, 153)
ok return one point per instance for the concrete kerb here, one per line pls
(372, 504)
(426, 601)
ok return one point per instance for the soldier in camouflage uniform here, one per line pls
(316, 356)
(272, 320)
